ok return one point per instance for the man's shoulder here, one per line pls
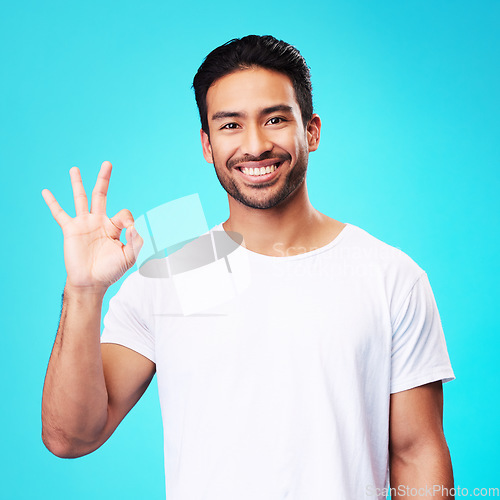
(363, 245)
(367, 239)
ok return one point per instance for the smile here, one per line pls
(260, 175)
(259, 171)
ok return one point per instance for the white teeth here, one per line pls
(259, 171)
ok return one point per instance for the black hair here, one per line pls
(254, 51)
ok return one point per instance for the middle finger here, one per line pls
(81, 203)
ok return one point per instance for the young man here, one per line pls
(315, 380)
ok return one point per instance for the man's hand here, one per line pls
(93, 253)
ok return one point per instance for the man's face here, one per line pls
(258, 143)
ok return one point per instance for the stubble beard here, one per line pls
(293, 181)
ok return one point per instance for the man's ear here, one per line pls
(207, 147)
(313, 132)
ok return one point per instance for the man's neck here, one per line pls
(291, 228)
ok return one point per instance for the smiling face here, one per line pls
(258, 143)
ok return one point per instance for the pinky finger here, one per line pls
(57, 212)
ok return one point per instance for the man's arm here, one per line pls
(89, 388)
(419, 457)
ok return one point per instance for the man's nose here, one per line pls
(255, 141)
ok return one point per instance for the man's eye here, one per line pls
(276, 120)
(229, 126)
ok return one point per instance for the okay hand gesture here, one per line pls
(93, 253)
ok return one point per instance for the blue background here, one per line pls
(408, 92)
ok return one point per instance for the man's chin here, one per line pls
(262, 196)
(261, 203)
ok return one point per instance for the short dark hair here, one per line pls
(254, 51)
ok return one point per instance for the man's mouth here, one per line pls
(258, 171)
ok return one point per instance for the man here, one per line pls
(313, 381)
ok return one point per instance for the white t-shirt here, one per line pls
(275, 374)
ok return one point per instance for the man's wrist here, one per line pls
(84, 292)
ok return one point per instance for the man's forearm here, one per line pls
(74, 403)
(423, 473)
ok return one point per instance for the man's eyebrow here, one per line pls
(221, 115)
(279, 107)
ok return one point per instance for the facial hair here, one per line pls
(294, 178)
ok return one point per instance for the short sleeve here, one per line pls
(128, 319)
(419, 354)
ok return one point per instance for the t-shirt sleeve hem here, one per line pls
(135, 346)
(444, 374)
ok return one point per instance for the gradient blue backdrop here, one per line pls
(408, 92)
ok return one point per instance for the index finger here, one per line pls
(100, 192)
(57, 212)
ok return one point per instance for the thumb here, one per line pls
(133, 246)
